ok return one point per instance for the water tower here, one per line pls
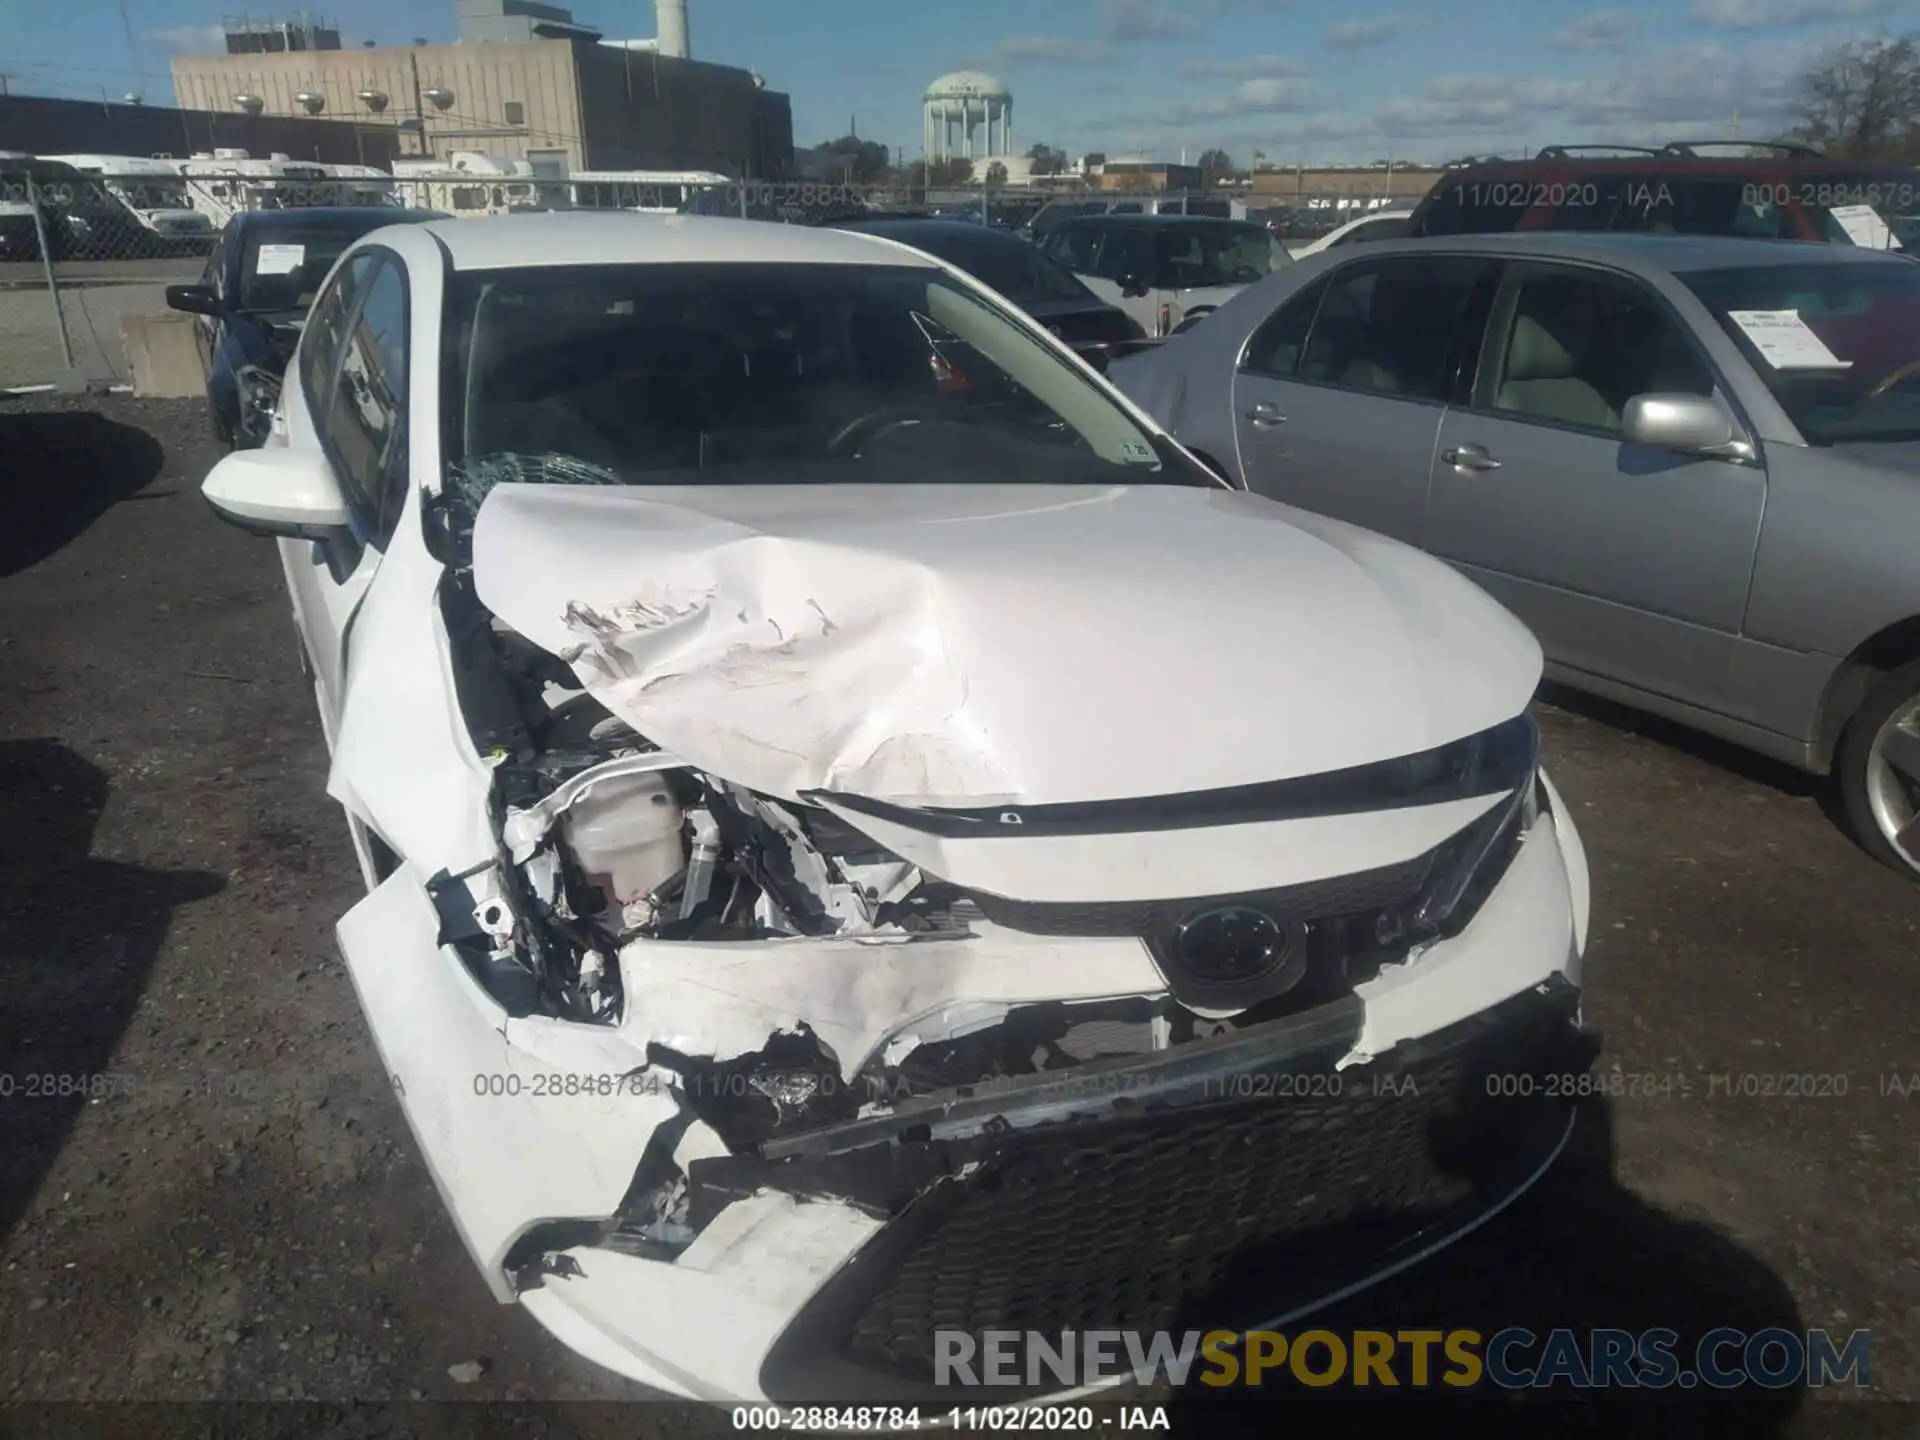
(962, 105)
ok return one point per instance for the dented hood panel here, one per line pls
(966, 645)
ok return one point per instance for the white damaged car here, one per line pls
(865, 836)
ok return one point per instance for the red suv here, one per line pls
(1788, 193)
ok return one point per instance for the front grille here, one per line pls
(1217, 1217)
(1382, 889)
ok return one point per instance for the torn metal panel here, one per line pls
(1523, 936)
(504, 1152)
(658, 1323)
(937, 644)
(724, 1000)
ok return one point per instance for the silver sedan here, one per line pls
(1691, 465)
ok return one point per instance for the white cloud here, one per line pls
(1597, 30)
(1126, 22)
(189, 39)
(1273, 95)
(1254, 67)
(1755, 14)
(1051, 50)
(1365, 34)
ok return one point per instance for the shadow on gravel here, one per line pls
(1578, 1252)
(78, 937)
(62, 470)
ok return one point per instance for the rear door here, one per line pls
(1629, 563)
(1339, 394)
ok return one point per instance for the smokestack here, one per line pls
(670, 26)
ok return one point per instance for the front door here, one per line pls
(1340, 393)
(1629, 563)
(347, 399)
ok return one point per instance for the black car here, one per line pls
(253, 298)
(1017, 270)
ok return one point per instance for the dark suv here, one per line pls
(1784, 192)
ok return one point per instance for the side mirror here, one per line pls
(1691, 424)
(1095, 355)
(194, 300)
(278, 491)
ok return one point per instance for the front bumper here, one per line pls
(1226, 1184)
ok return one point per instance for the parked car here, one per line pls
(1050, 215)
(1373, 225)
(813, 867)
(1766, 192)
(1165, 270)
(1019, 272)
(1691, 465)
(252, 300)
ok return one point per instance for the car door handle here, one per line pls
(1265, 415)
(1470, 457)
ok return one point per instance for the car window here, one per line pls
(1074, 246)
(1023, 273)
(1126, 251)
(1865, 317)
(365, 428)
(1203, 253)
(1394, 326)
(326, 329)
(1574, 347)
(1275, 347)
(1385, 228)
(779, 374)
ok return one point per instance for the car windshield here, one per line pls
(1838, 344)
(778, 373)
(1013, 267)
(281, 268)
(1198, 253)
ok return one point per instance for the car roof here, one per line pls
(913, 229)
(1676, 253)
(346, 217)
(1144, 219)
(504, 242)
(1704, 166)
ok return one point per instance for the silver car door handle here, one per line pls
(1470, 457)
(1265, 414)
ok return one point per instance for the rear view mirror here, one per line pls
(1132, 286)
(193, 299)
(278, 491)
(1691, 424)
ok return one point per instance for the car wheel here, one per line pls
(1878, 770)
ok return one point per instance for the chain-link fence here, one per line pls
(85, 258)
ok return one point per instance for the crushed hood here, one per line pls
(975, 644)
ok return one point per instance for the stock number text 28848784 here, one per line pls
(1897, 195)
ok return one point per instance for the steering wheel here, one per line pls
(850, 437)
(1894, 377)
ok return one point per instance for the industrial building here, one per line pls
(524, 81)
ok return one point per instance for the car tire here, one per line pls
(1878, 800)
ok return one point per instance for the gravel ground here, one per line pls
(241, 1214)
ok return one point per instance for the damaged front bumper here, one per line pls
(1216, 1184)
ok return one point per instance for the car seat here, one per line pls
(1542, 377)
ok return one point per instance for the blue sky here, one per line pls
(1302, 80)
